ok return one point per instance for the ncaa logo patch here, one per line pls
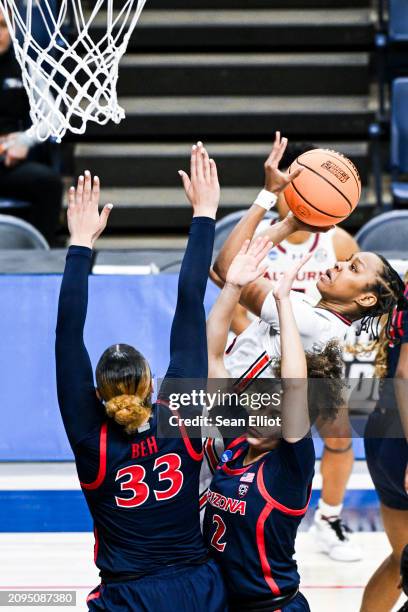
(243, 489)
(273, 254)
(226, 456)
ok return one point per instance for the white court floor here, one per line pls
(65, 561)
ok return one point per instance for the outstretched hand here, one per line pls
(202, 187)
(85, 223)
(283, 287)
(249, 263)
(276, 180)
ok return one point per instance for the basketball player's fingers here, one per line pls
(193, 163)
(103, 218)
(406, 480)
(200, 163)
(258, 245)
(80, 189)
(206, 163)
(292, 175)
(244, 249)
(282, 148)
(264, 252)
(261, 269)
(214, 172)
(71, 198)
(185, 179)
(96, 189)
(269, 160)
(87, 187)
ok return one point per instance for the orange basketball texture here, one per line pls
(327, 190)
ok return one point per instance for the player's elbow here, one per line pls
(216, 278)
(219, 270)
(401, 372)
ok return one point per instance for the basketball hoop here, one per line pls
(70, 82)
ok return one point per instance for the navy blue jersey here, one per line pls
(139, 480)
(252, 516)
(142, 491)
(399, 336)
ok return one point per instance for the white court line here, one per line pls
(64, 561)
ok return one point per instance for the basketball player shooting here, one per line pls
(363, 288)
(330, 533)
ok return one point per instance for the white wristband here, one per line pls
(266, 199)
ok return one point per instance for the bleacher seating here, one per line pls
(18, 234)
(399, 142)
(385, 233)
(230, 72)
(392, 45)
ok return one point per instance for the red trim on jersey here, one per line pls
(341, 317)
(260, 542)
(273, 502)
(281, 248)
(254, 370)
(211, 454)
(231, 346)
(102, 461)
(187, 442)
(236, 441)
(203, 499)
(96, 545)
(315, 243)
(235, 471)
(92, 596)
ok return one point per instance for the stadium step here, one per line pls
(166, 209)
(254, 4)
(245, 30)
(240, 117)
(257, 74)
(154, 165)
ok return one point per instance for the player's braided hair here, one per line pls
(324, 364)
(389, 288)
(123, 379)
(381, 360)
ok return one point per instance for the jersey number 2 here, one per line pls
(219, 532)
(140, 489)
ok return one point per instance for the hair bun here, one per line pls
(129, 411)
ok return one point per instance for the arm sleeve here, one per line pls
(298, 459)
(188, 340)
(80, 409)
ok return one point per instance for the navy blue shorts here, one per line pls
(172, 589)
(387, 461)
(299, 604)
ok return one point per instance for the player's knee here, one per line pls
(339, 444)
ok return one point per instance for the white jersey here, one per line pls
(283, 256)
(252, 352)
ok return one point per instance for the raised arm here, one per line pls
(188, 343)
(275, 182)
(80, 410)
(247, 265)
(295, 413)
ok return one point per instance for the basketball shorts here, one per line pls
(175, 588)
(387, 459)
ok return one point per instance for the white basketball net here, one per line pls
(71, 82)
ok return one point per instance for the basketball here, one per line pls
(328, 189)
